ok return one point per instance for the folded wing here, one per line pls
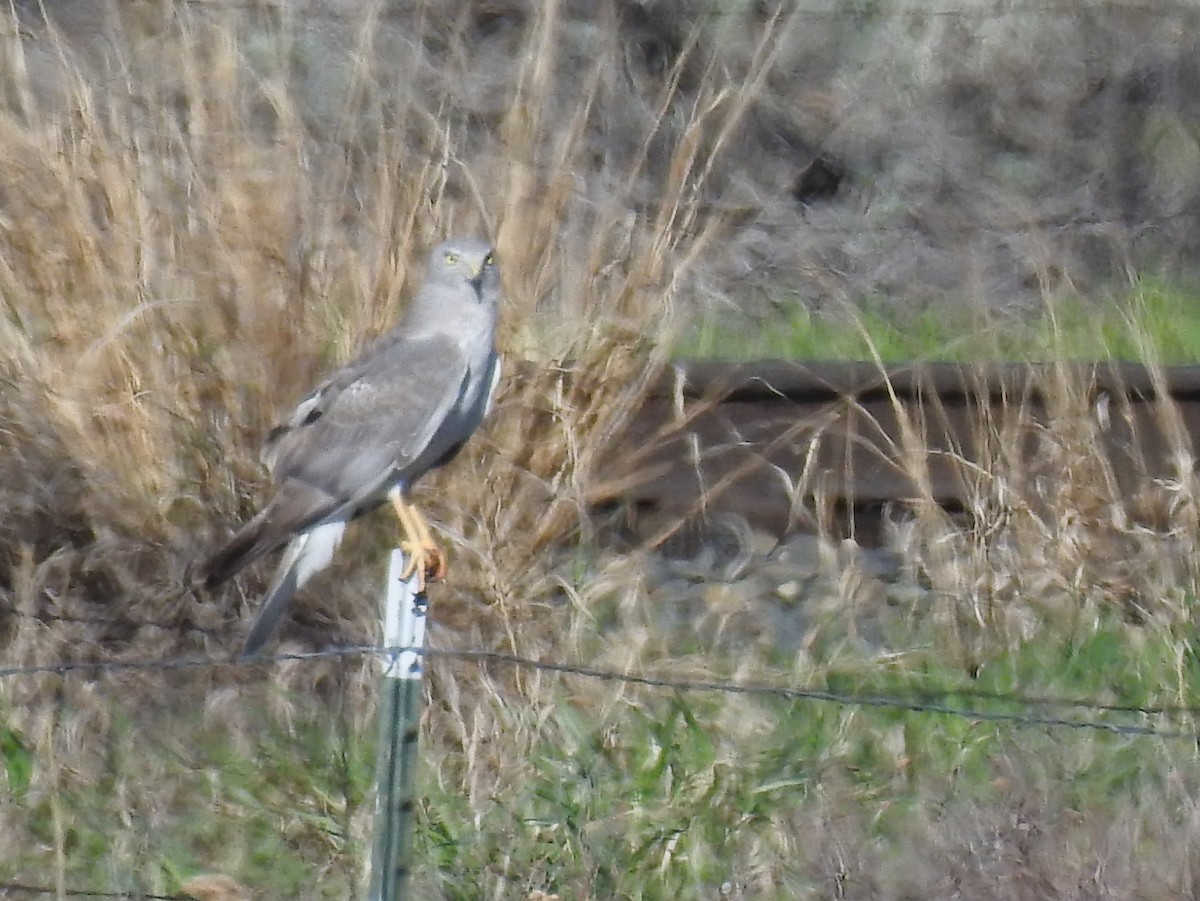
(382, 420)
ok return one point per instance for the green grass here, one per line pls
(171, 285)
(1158, 322)
(653, 794)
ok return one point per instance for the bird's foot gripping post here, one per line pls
(404, 617)
(425, 559)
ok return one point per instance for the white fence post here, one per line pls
(399, 727)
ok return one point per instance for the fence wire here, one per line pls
(20, 888)
(1025, 717)
(753, 13)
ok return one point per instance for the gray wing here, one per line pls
(384, 418)
(377, 420)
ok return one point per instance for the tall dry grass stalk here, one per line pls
(188, 240)
(184, 254)
(206, 208)
(1078, 507)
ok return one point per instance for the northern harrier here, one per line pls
(367, 433)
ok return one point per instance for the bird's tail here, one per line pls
(246, 546)
(295, 507)
(309, 553)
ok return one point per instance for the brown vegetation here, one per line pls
(203, 206)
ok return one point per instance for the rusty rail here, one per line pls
(769, 440)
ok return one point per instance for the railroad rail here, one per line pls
(784, 443)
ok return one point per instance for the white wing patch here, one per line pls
(305, 407)
(305, 413)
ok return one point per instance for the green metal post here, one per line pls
(399, 728)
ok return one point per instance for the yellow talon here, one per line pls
(425, 558)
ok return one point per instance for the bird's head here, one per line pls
(467, 259)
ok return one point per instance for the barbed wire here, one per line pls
(8, 888)
(912, 702)
(1028, 700)
(964, 692)
(894, 702)
(750, 12)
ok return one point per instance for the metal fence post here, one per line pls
(399, 726)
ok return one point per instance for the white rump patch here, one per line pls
(318, 549)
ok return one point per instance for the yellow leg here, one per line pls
(424, 556)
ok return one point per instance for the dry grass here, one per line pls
(184, 252)
(173, 281)
(1079, 508)
(187, 241)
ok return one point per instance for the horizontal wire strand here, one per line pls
(913, 703)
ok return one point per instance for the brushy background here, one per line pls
(204, 206)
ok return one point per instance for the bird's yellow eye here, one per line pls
(489, 260)
(451, 257)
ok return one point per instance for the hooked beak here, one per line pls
(476, 282)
